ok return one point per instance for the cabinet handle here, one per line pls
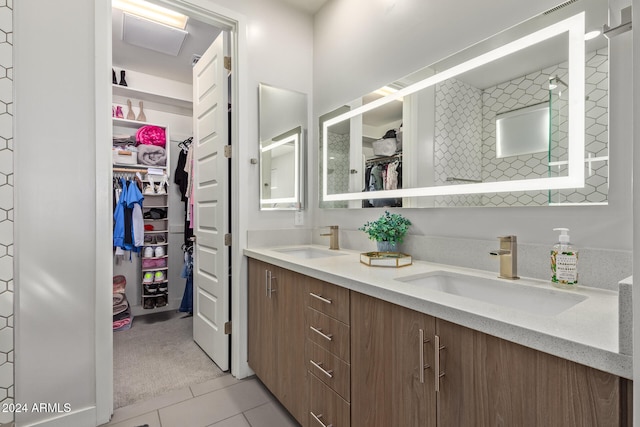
(268, 279)
(321, 298)
(318, 365)
(317, 418)
(436, 371)
(266, 283)
(423, 365)
(328, 337)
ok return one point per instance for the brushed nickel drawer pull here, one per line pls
(318, 365)
(436, 371)
(317, 418)
(328, 337)
(423, 365)
(266, 283)
(320, 297)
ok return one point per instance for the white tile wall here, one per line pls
(6, 208)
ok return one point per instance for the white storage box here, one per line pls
(124, 157)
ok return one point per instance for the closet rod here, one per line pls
(129, 170)
(379, 159)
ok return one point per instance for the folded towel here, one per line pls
(152, 155)
(119, 283)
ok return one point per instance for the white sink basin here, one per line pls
(516, 295)
(309, 252)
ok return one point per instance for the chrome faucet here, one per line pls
(508, 254)
(333, 237)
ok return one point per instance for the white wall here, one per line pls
(390, 39)
(55, 168)
(55, 213)
(280, 43)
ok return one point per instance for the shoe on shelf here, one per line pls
(149, 303)
(161, 300)
(148, 251)
(162, 186)
(150, 289)
(148, 277)
(151, 186)
(159, 251)
(158, 277)
(160, 239)
(163, 287)
(148, 239)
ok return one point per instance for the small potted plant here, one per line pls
(387, 231)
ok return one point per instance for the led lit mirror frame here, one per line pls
(292, 138)
(575, 178)
(282, 115)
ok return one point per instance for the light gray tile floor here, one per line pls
(222, 402)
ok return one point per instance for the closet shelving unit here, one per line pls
(160, 298)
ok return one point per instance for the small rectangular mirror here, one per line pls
(283, 125)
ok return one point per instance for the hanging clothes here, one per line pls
(126, 222)
(186, 306)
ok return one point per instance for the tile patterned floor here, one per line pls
(222, 402)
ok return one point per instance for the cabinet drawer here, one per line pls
(331, 370)
(329, 334)
(329, 299)
(326, 408)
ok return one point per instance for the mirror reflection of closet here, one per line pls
(283, 126)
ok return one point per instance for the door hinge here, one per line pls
(227, 63)
(227, 151)
(227, 328)
(227, 239)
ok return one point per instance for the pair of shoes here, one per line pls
(153, 188)
(123, 82)
(151, 239)
(150, 289)
(153, 252)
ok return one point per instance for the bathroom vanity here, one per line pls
(344, 344)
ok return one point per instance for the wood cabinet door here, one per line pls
(289, 305)
(386, 385)
(261, 335)
(489, 381)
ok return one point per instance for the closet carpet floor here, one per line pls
(156, 356)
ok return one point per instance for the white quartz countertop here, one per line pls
(586, 333)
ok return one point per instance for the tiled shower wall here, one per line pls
(6, 208)
(529, 90)
(465, 137)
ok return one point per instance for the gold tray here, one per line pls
(385, 259)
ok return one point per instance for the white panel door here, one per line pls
(211, 204)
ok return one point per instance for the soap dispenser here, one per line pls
(564, 262)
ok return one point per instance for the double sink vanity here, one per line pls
(345, 344)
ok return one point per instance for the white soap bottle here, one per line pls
(564, 262)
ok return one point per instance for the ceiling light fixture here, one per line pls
(152, 12)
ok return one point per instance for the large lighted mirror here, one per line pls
(520, 119)
(283, 119)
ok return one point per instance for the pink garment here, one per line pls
(120, 323)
